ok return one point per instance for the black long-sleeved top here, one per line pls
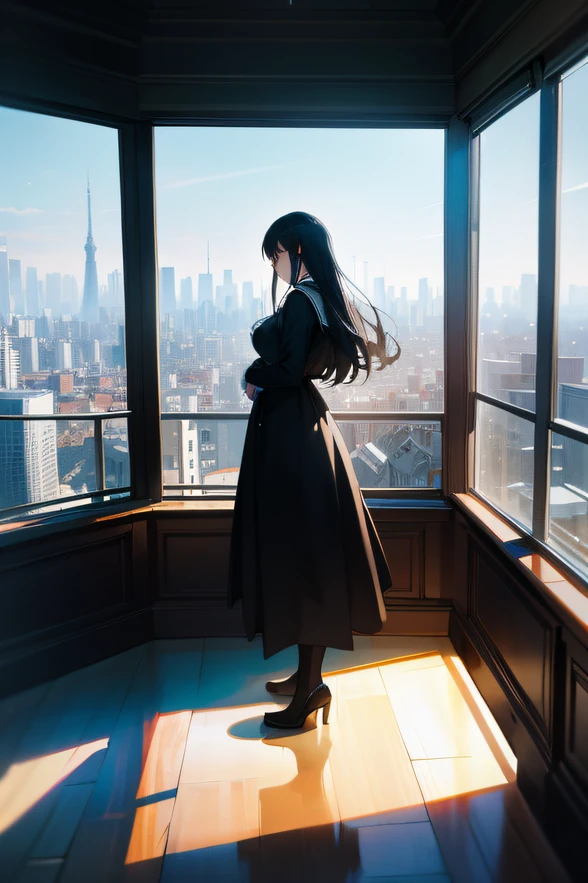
(299, 328)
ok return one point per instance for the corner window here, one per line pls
(62, 316)
(507, 309)
(531, 438)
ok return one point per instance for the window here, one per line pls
(62, 315)
(568, 501)
(218, 189)
(530, 449)
(507, 308)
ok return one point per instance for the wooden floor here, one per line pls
(156, 765)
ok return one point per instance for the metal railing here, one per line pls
(95, 417)
(401, 417)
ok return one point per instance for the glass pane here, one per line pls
(62, 315)
(395, 454)
(568, 500)
(384, 455)
(76, 457)
(219, 189)
(572, 370)
(505, 461)
(507, 286)
(50, 459)
(204, 452)
(117, 464)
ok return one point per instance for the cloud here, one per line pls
(190, 182)
(577, 187)
(23, 211)
(431, 205)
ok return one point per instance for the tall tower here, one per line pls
(90, 310)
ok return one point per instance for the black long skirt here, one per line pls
(305, 557)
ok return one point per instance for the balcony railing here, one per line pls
(101, 491)
(398, 417)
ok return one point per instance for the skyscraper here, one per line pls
(28, 350)
(247, 296)
(70, 295)
(167, 290)
(380, 292)
(115, 290)
(227, 293)
(32, 292)
(90, 311)
(186, 295)
(4, 284)
(53, 293)
(204, 288)
(16, 291)
(9, 362)
(28, 448)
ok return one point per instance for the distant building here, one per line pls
(28, 349)
(16, 291)
(167, 290)
(4, 280)
(28, 450)
(32, 292)
(204, 288)
(53, 293)
(9, 363)
(70, 295)
(186, 294)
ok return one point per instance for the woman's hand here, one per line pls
(250, 391)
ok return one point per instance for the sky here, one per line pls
(379, 191)
(509, 190)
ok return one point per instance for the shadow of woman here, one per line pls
(301, 835)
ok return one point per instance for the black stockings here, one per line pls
(310, 660)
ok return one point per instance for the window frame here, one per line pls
(173, 492)
(544, 419)
(135, 160)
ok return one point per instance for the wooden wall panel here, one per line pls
(575, 749)
(194, 564)
(54, 585)
(530, 663)
(70, 599)
(192, 571)
(522, 634)
(404, 553)
(578, 733)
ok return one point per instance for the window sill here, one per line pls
(569, 598)
(14, 532)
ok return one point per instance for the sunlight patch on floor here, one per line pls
(24, 784)
(402, 732)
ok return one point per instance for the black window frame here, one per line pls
(544, 420)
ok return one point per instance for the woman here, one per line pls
(305, 557)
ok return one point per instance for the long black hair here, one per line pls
(308, 241)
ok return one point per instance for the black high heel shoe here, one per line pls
(319, 698)
(286, 687)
